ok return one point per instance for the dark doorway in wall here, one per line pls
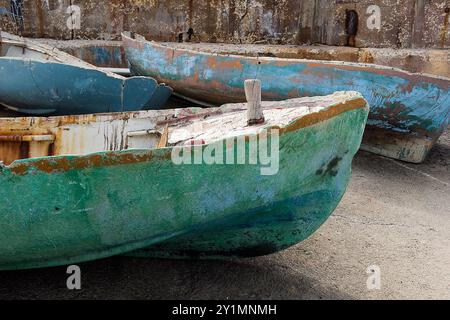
(351, 27)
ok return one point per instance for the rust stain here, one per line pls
(11, 138)
(236, 62)
(13, 150)
(292, 94)
(382, 137)
(212, 63)
(108, 159)
(63, 164)
(365, 56)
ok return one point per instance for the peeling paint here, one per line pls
(409, 103)
(43, 80)
(112, 203)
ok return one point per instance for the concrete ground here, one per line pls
(395, 215)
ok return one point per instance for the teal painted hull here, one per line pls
(257, 232)
(64, 210)
(408, 114)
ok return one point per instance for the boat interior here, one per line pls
(15, 47)
(11, 49)
(34, 137)
(12, 46)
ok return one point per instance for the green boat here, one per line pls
(80, 188)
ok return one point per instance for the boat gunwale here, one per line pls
(328, 63)
(94, 68)
(51, 164)
(50, 51)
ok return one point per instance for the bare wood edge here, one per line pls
(164, 138)
(323, 115)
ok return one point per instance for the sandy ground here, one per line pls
(395, 215)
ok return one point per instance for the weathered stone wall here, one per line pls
(403, 23)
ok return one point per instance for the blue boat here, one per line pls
(409, 111)
(37, 79)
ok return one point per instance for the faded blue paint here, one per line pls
(107, 56)
(35, 87)
(104, 56)
(400, 101)
(159, 98)
(38, 79)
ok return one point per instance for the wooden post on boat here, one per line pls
(254, 109)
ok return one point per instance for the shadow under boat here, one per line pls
(38, 79)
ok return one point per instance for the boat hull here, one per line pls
(36, 79)
(413, 107)
(112, 203)
(43, 88)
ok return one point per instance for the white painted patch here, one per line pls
(374, 20)
(74, 20)
(374, 279)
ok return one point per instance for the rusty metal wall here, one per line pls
(381, 23)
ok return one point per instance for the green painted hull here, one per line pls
(64, 210)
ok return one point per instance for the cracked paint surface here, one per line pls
(42, 80)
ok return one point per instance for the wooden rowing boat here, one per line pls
(111, 54)
(409, 111)
(37, 79)
(80, 188)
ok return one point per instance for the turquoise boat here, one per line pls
(409, 111)
(37, 79)
(113, 183)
